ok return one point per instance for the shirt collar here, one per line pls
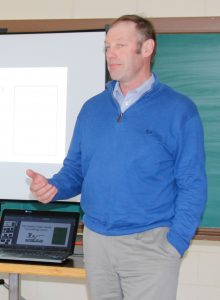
(144, 87)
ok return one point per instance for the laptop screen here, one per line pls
(38, 229)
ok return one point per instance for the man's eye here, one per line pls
(106, 48)
(115, 47)
(120, 45)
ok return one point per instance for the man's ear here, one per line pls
(148, 47)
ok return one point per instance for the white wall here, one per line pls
(56, 9)
(200, 270)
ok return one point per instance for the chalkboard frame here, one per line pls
(162, 25)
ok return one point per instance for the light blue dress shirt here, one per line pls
(132, 96)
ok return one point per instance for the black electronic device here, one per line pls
(40, 236)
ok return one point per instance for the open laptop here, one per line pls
(33, 235)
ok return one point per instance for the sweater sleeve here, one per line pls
(69, 179)
(191, 184)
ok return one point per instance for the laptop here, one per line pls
(37, 236)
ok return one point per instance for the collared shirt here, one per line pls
(132, 96)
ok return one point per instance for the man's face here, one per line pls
(123, 61)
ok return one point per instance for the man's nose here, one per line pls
(110, 52)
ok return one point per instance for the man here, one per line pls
(137, 158)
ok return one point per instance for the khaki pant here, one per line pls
(142, 266)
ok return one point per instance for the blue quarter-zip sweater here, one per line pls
(143, 171)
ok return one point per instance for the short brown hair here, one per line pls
(144, 27)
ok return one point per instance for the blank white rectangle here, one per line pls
(34, 100)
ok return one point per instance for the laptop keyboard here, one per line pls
(31, 254)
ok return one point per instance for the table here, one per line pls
(72, 268)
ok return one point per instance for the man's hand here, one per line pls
(41, 189)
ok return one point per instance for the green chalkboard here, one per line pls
(190, 63)
(35, 205)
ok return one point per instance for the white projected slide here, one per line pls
(32, 114)
(45, 78)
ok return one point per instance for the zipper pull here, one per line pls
(119, 117)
